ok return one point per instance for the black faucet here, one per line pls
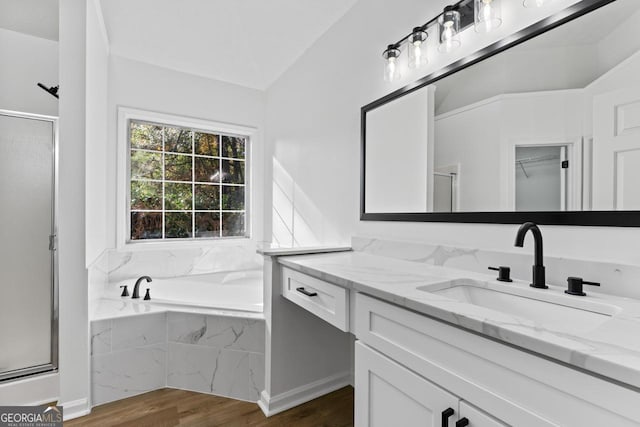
(136, 287)
(538, 266)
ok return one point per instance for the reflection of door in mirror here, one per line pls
(445, 188)
(541, 178)
(616, 150)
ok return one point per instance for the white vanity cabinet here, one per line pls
(389, 394)
(410, 367)
(508, 385)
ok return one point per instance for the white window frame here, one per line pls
(125, 114)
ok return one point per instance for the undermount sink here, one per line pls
(550, 311)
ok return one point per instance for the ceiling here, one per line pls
(34, 17)
(246, 42)
(571, 56)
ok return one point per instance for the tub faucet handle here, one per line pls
(147, 296)
(125, 291)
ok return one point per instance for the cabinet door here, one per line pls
(478, 418)
(387, 394)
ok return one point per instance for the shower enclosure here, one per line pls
(28, 278)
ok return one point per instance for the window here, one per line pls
(185, 183)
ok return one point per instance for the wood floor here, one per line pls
(170, 407)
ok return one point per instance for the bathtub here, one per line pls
(204, 333)
(238, 290)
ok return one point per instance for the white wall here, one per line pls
(97, 130)
(148, 87)
(74, 324)
(400, 150)
(27, 60)
(481, 138)
(313, 127)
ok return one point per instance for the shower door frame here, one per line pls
(53, 249)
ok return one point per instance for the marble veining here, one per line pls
(616, 279)
(216, 354)
(127, 373)
(605, 349)
(123, 265)
(138, 331)
(212, 370)
(217, 331)
(100, 337)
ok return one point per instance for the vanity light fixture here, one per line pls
(488, 15)
(484, 15)
(449, 25)
(390, 55)
(534, 3)
(417, 53)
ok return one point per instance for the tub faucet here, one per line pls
(538, 266)
(136, 287)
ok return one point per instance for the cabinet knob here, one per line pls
(462, 422)
(446, 414)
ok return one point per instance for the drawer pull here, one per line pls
(463, 422)
(306, 292)
(446, 414)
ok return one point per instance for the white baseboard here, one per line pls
(32, 391)
(272, 405)
(75, 409)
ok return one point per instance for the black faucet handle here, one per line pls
(147, 296)
(125, 291)
(504, 273)
(575, 286)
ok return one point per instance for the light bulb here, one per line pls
(487, 15)
(390, 55)
(417, 56)
(391, 70)
(449, 23)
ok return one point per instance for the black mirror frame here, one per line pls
(585, 218)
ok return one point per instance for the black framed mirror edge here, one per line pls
(579, 218)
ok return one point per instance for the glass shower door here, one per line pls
(27, 291)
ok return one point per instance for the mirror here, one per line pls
(547, 129)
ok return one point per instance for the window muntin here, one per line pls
(185, 183)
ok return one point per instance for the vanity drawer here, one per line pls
(324, 299)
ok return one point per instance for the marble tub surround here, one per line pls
(115, 267)
(215, 354)
(616, 279)
(182, 262)
(606, 350)
(110, 308)
(128, 357)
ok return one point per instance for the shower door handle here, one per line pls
(52, 242)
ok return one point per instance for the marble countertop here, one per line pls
(110, 308)
(610, 349)
(302, 250)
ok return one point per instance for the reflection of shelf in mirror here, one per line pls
(538, 159)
